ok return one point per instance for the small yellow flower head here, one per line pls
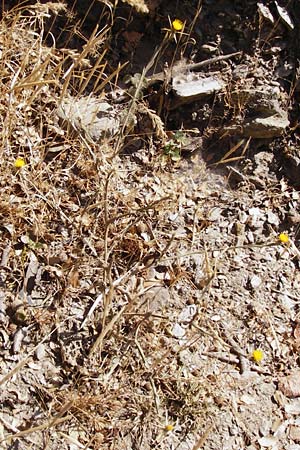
(169, 427)
(19, 163)
(284, 238)
(177, 25)
(257, 355)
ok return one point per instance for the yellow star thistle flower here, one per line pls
(284, 238)
(169, 427)
(177, 25)
(19, 163)
(257, 355)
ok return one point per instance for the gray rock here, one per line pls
(190, 87)
(291, 165)
(265, 113)
(266, 127)
(91, 117)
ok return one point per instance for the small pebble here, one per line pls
(255, 281)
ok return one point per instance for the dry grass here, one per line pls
(139, 5)
(93, 230)
(101, 251)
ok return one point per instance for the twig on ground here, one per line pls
(115, 284)
(232, 360)
(154, 390)
(105, 330)
(160, 76)
(244, 363)
(57, 419)
(203, 438)
(293, 297)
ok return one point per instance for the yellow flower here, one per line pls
(177, 25)
(19, 162)
(284, 238)
(169, 427)
(257, 355)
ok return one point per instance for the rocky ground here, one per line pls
(149, 261)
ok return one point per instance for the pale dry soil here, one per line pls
(134, 289)
(182, 354)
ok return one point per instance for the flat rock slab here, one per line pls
(267, 127)
(266, 116)
(191, 87)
